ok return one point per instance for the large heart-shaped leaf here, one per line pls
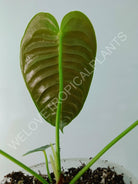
(58, 63)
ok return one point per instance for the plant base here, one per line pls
(114, 174)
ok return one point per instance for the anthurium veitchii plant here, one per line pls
(57, 64)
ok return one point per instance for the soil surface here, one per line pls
(98, 176)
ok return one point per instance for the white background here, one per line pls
(112, 103)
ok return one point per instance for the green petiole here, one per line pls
(59, 106)
(41, 179)
(106, 148)
(47, 168)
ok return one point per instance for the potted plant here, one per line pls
(58, 65)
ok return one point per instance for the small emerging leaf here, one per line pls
(54, 167)
(42, 148)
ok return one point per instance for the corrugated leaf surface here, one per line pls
(43, 47)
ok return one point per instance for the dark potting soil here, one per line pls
(98, 176)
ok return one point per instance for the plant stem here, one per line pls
(103, 151)
(47, 168)
(24, 167)
(58, 114)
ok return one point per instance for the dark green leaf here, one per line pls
(43, 47)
